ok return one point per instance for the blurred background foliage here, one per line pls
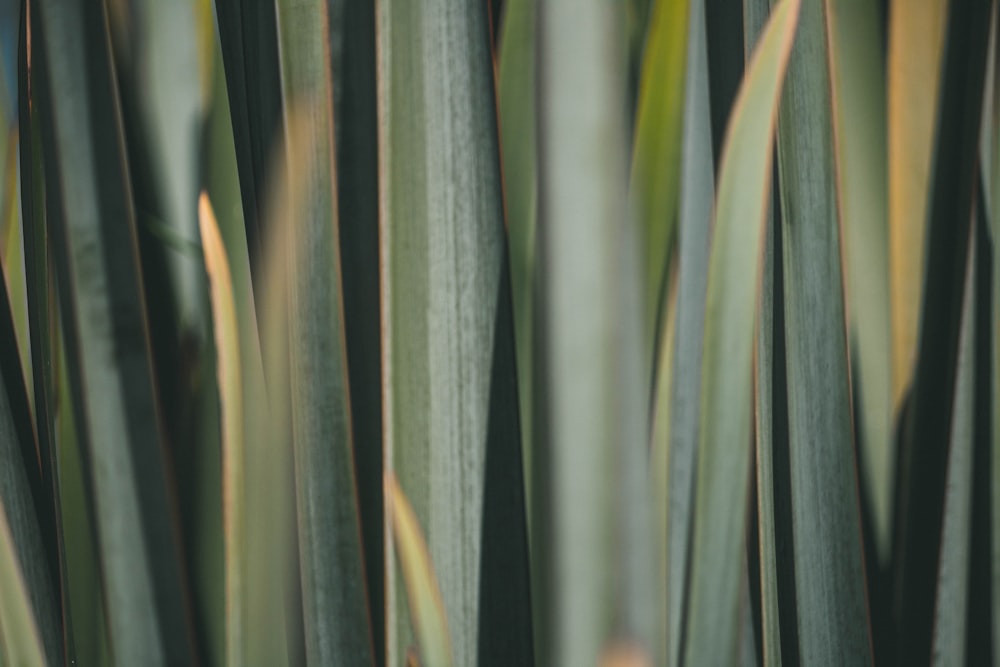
(507, 332)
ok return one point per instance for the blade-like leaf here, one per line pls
(591, 484)
(695, 217)
(829, 562)
(653, 185)
(717, 557)
(22, 526)
(659, 459)
(948, 647)
(858, 97)
(91, 218)
(335, 609)
(20, 640)
(448, 370)
(227, 346)
(430, 622)
(913, 74)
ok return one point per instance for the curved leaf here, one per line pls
(717, 560)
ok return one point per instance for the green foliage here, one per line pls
(559, 332)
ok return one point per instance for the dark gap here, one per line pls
(877, 581)
(979, 616)
(784, 543)
(357, 203)
(505, 633)
(724, 30)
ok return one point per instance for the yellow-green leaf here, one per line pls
(426, 607)
(916, 40)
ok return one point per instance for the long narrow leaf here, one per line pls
(20, 639)
(858, 97)
(654, 180)
(448, 368)
(92, 221)
(591, 467)
(335, 609)
(717, 557)
(829, 562)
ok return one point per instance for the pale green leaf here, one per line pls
(717, 559)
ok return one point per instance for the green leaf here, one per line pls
(92, 221)
(949, 643)
(20, 640)
(335, 610)
(660, 459)
(830, 591)
(858, 96)
(654, 181)
(717, 555)
(164, 74)
(448, 366)
(430, 622)
(28, 569)
(227, 346)
(592, 504)
(694, 219)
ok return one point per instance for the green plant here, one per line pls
(556, 332)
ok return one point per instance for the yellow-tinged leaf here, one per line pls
(624, 654)
(20, 643)
(227, 352)
(656, 156)
(426, 608)
(916, 42)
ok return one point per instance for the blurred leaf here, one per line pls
(333, 586)
(13, 256)
(591, 497)
(249, 39)
(167, 83)
(27, 565)
(656, 152)
(20, 641)
(659, 459)
(695, 217)
(913, 74)
(227, 346)
(831, 604)
(948, 647)
(430, 622)
(94, 236)
(448, 366)
(725, 428)
(929, 416)
(858, 97)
